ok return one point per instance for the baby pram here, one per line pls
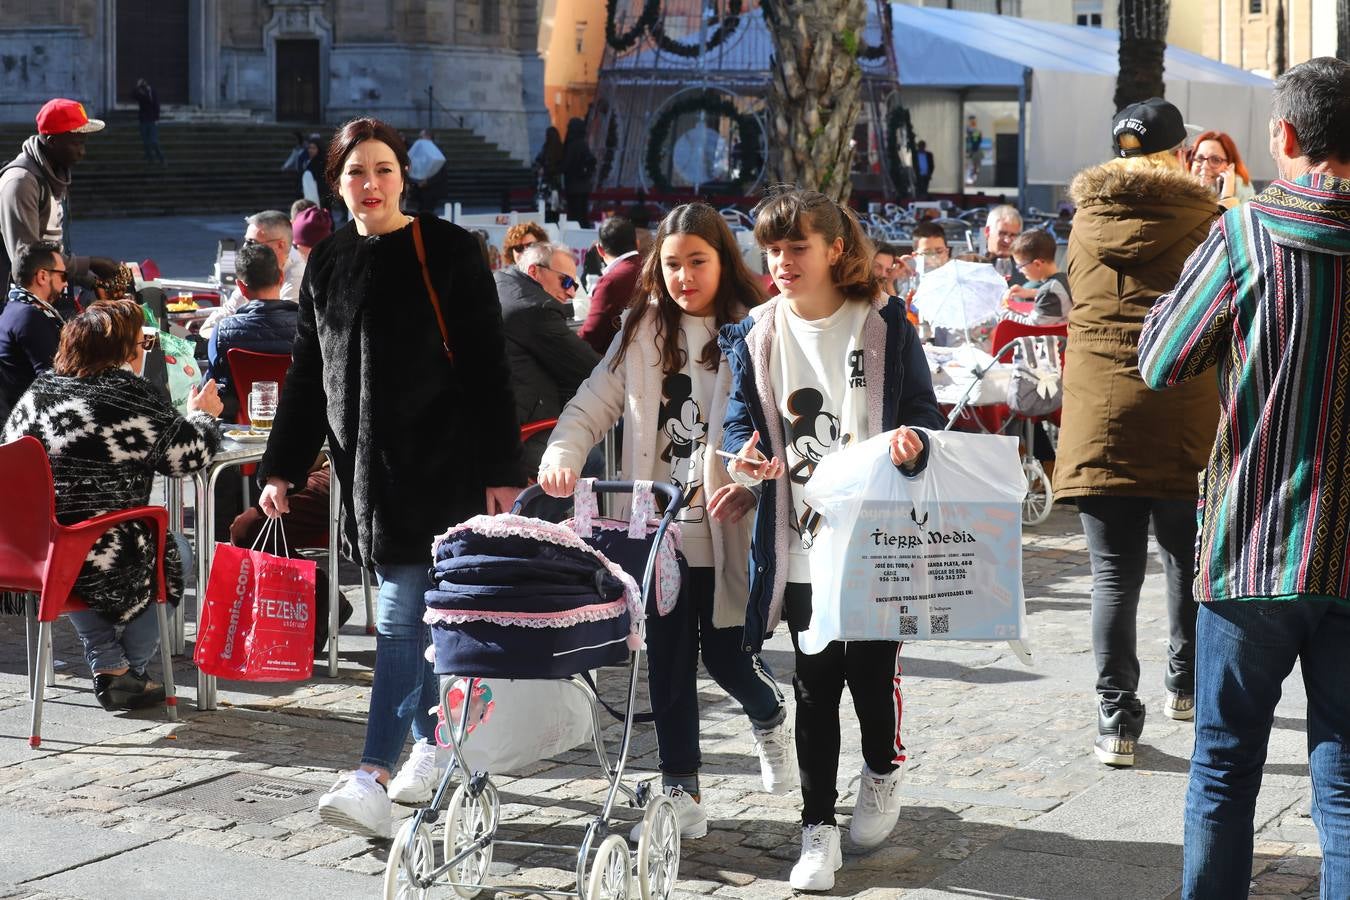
(1035, 393)
(597, 613)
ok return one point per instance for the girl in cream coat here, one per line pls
(664, 375)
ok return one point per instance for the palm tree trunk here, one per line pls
(1343, 29)
(1143, 41)
(815, 92)
(1280, 54)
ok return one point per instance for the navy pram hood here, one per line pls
(524, 598)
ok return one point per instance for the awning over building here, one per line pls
(1072, 77)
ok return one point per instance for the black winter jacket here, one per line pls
(262, 326)
(548, 362)
(415, 437)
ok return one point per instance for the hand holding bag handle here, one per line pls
(432, 296)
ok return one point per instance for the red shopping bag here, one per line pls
(258, 616)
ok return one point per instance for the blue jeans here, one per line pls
(673, 643)
(1245, 650)
(106, 651)
(405, 686)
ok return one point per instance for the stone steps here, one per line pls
(236, 167)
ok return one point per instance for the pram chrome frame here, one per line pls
(1040, 496)
(411, 870)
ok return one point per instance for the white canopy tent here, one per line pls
(1065, 75)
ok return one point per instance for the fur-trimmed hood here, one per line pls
(1128, 216)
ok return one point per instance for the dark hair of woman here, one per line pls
(737, 288)
(353, 133)
(102, 337)
(551, 155)
(789, 216)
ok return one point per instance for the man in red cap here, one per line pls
(35, 183)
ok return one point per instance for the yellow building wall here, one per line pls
(572, 42)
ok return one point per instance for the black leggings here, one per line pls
(1116, 529)
(871, 669)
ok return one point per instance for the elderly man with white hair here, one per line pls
(1002, 226)
(548, 361)
(272, 229)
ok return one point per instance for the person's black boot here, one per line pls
(1118, 730)
(127, 691)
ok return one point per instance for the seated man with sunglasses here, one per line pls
(548, 361)
(30, 326)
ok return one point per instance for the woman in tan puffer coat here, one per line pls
(1126, 454)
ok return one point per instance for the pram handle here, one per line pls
(672, 495)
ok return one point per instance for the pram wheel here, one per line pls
(467, 819)
(412, 857)
(1040, 496)
(611, 872)
(658, 850)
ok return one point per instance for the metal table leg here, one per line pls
(334, 525)
(173, 500)
(206, 487)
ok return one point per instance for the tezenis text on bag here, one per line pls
(887, 539)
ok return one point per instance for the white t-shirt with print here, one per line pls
(818, 378)
(686, 403)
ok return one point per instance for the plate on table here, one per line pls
(246, 436)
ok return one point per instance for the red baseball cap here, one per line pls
(61, 116)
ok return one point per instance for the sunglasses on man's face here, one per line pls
(568, 282)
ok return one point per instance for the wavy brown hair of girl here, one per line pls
(737, 289)
(789, 216)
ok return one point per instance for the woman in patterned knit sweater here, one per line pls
(107, 432)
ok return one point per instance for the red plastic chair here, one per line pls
(40, 555)
(247, 367)
(530, 429)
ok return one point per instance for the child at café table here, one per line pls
(820, 366)
(665, 375)
(1047, 287)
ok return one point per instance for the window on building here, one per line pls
(581, 35)
(1254, 7)
(1088, 13)
(491, 13)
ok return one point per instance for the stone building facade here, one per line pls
(474, 63)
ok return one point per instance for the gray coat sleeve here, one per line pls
(20, 218)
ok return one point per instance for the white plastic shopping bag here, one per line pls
(524, 721)
(934, 556)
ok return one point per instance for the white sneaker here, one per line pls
(877, 808)
(421, 774)
(357, 803)
(820, 859)
(689, 815)
(777, 757)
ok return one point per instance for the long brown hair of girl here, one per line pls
(737, 289)
(788, 216)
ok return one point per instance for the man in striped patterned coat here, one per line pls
(1266, 298)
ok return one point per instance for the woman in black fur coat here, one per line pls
(422, 435)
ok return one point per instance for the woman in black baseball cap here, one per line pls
(1128, 456)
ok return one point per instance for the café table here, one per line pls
(232, 454)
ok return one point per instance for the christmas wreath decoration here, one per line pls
(749, 134)
(896, 120)
(650, 15)
(725, 29)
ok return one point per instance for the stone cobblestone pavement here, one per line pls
(1002, 797)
